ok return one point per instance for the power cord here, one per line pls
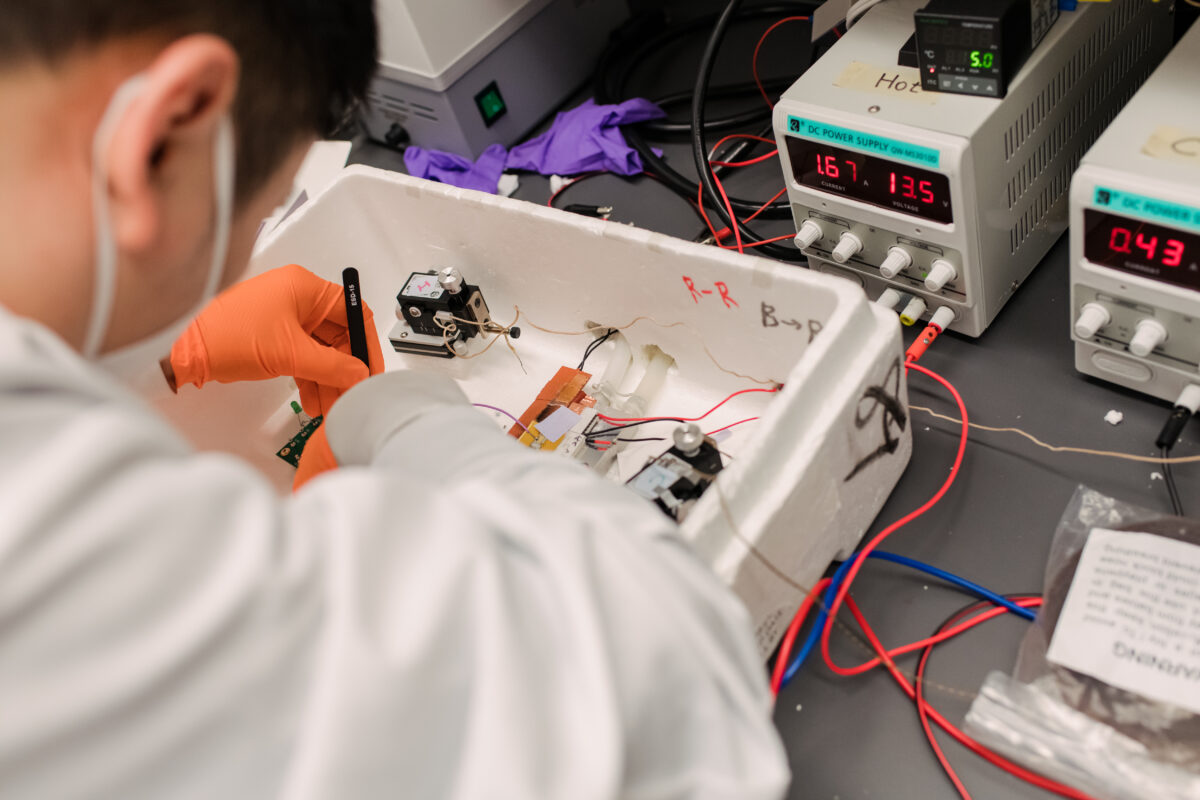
(723, 206)
(1187, 405)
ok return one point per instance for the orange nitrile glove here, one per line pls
(283, 322)
(316, 458)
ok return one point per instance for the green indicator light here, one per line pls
(491, 104)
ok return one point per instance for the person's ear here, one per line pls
(187, 90)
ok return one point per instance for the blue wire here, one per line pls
(814, 635)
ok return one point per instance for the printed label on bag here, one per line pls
(1132, 617)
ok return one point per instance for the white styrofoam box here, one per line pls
(803, 483)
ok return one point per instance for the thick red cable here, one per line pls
(620, 420)
(879, 538)
(789, 638)
(754, 62)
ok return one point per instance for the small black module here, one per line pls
(977, 46)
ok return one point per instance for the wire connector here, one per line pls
(599, 212)
(1187, 405)
(941, 319)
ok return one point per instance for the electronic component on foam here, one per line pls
(440, 314)
(677, 479)
(561, 407)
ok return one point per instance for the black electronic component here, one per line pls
(676, 480)
(907, 55)
(878, 181)
(439, 313)
(977, 46)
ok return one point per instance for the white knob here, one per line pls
(913, 312)
(847, 246)
(1150, 334)
(896, 262)
(810, 232)
(1092, 318)
(889, 299)
(940, 273)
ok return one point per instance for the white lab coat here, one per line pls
(463, 619)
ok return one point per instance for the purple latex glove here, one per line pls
(482, 175)
(584, 139)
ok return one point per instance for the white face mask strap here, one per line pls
(105, 269)
(224, 169)
(105, 276)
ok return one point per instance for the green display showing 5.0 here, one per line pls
(982, 60)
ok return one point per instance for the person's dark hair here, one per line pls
(305, 63)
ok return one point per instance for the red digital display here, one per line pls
(878, 181)
(1142, 248)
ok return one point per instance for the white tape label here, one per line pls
(1132, 617)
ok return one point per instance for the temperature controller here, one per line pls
(977, 46)
(1135, 238)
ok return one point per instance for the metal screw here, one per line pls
(688, 438)
(413, 311)
(451, 280)
(874, 109)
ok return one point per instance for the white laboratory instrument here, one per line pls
(950, 199)
(460, 75)
(1135, 237)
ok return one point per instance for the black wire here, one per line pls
(618, 63)
(616, 428)
(1172, 489)
(700, 148)
(732, 122)
(594, 346)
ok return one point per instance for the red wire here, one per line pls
(758, 47)
(760, 243)
(844, 589)
(922, 704)
(764, 207)
(690, 419)
(945, 724)
(750, 163)
(789, 638)
(737, 229)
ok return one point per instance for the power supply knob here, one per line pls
(809, 233)
(1149, 335)
(941, 272)
(847, 246)
(1092, 317)
(896, 262)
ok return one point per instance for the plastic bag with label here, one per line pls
(1111, 743)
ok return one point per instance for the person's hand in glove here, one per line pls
(283, 322)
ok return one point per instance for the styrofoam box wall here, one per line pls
(802, 484)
